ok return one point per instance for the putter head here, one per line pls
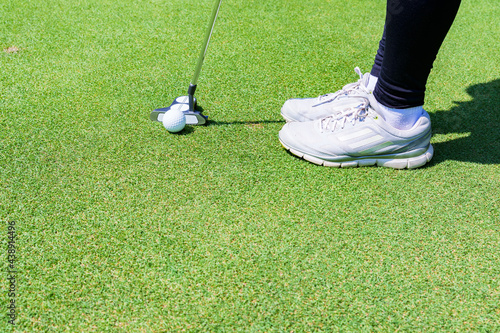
(193, 117)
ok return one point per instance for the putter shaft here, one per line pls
(193, 117)
(204, 47)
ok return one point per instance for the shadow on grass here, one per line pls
(186, 131)
(250, 123)
(212, 122)
(473, 127)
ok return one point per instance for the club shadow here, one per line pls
(249, 122)
(213, 122)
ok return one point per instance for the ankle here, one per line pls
(402, 119)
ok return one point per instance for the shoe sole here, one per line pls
(381, 161)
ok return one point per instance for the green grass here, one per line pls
(125, 227)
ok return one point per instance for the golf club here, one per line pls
(187, 104)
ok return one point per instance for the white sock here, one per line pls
(372, 82)
(402, 119)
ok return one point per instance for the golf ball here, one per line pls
(174, 120)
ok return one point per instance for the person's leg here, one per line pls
(414, 31)
(379, 57)
(391, 127)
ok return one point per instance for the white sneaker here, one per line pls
(306, 109)
(359, 137)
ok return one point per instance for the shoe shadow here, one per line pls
(212, 122)
(470, 131)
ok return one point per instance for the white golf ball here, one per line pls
(174, 121)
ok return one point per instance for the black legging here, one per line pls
(414, 31)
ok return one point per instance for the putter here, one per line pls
(187, 104)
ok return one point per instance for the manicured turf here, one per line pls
(125, 227)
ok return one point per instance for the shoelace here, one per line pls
(348, 89)
(351, 115)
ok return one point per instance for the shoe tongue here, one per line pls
(366, 79)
